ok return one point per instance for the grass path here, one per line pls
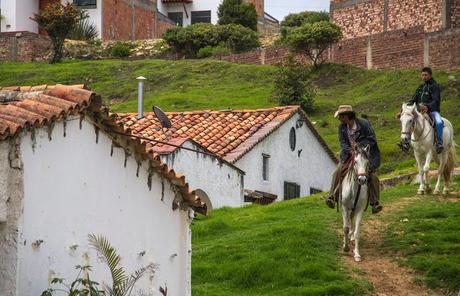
(380, 267)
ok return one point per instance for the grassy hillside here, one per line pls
(191, 85)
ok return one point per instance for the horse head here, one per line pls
(408, 118)
(361, 164)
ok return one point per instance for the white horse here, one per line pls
(354, 199)
(416, 130)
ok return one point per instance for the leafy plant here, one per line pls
(120, 50)
(84, 30)
(313, 40)
(295, 20)
(122, 284)
(292, 85)
(237, 12)
(213, 51)
(58, 21)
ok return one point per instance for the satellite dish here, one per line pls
(162, 117)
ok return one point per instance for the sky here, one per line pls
(280, 8)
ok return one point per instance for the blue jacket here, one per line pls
(429, 93)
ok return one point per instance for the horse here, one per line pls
(416, 131)
(354, 196)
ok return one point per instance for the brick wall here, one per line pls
(444, 49)
(365, 17)
(455, 14)
(162, 24)
(259, 4)
(121, 20)
(350, 51)
(23, 46)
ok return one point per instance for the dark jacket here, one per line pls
(364, 136)
(429, 93)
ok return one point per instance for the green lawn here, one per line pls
(207, 84)
(427, 235)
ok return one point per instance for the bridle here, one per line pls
(353, 163)
(414, 123)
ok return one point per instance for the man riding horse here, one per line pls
(356, 133)
(428, 98)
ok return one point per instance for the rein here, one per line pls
(413, 128)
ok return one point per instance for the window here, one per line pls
(85, 3)
(265, 158)
(177, 18)
(291, 190)
(201, 16)
(292, 138)
(314, 190)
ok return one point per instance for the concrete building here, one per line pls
(278, 149)
(68, 170)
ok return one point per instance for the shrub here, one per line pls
(237, 12)
(58, 21)
(292, 85)
(189, 40)
(295, 20)
(313, 39)
(84, 30)
(120, 50)
(213, 51)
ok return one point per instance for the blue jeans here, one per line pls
(439, 125)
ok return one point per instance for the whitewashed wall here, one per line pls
(195, 6)
(313, 168)
(17, 15)
(73, 187)
(221, 182)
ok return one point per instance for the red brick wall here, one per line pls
(259, 4)
(455, 14)
(444, 50)
(351, 52)
(404, 14)
(122, 21)
(23, 46)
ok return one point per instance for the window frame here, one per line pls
(181, 24)
(193, 14)
(87, 6)
(265, 167)
(292, 138)
(288, 187)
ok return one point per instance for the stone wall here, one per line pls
(128, 20)
(23, 47)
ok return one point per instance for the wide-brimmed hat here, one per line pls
(344, 109)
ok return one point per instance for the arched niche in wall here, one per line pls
(204, 198)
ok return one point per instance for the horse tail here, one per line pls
(451, 160)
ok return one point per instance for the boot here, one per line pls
(377, 207)
(439, 148)
(330, 201)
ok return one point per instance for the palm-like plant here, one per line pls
(122, 285)
(84, 30)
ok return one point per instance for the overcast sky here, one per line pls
(280, 8)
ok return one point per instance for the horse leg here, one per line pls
(445, 175)
(346, 229)
(357, 227)
(442, 164)
(421, 189)
(426, 169)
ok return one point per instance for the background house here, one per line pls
(279, 150)
(66, 171)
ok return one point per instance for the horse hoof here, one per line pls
(445, 191)
(429, 190)
(358, 259)
(421, 192)
(346, 249)
(437, 191)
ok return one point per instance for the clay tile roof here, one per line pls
(229, 134)
(36, 106)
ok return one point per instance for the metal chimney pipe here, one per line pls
(140, 97)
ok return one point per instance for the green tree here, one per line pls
(292, 85)
(295, 20)
(237, 12)
(58, 21)
(312, 39)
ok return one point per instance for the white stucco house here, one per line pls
(67, 169)
(278, 149)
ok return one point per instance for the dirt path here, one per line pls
(385, 274)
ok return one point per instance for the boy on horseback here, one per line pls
(356, 132)
(428, 97)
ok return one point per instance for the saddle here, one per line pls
(430, 119)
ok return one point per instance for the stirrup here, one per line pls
(330, 202)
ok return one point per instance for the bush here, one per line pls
(189, 40)
(295, 20)
(292, 85)
(120, 50)
(213, 51)
(84, 30)
(312, 39)
(237, 12)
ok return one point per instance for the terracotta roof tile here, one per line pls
(27, 106)
(229, 134)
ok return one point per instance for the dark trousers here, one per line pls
(373, 185)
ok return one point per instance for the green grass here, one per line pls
(427, 235)
(288, 248)
(195, 84)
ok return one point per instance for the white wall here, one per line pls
(73, 187)
(313, 168)
(17, 15)
(195, 6)
(222, 183)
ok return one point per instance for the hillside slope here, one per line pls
(192, 85)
